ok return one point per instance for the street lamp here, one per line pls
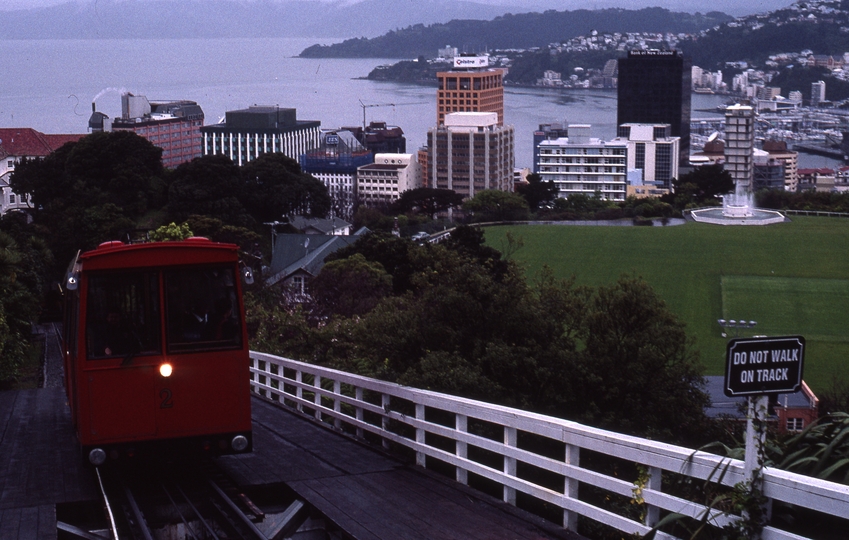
(736, 325)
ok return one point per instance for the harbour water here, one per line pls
(49, 85)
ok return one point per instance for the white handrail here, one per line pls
(397, 415)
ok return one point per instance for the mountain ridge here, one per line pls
(182, 19)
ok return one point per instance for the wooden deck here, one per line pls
(369, 494)
(40, 463)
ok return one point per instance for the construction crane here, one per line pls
(366, 106)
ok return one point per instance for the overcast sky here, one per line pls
(732, 7)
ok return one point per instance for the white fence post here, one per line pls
(655, 483)
(420, 435)
(384, 422)
(570, 486)
(317, 397)
(337, 403)
(511, 440)
(359, 412)
(299, 391)
(461, 449)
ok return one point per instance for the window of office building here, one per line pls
(663, 163)
(640, 156)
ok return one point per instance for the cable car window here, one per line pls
(203, 309)
(123, 315)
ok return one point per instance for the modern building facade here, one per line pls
(546, 132)
(472, 86)
(16, 145)
(739, 146)
(334, 161)
(768, 172)
(789, 159)
(382, 182)
(470, 152)
(248, 133)
(586, 165)
(173, 126)
(654, 88)
(652, 151)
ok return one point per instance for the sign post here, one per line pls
(758, 367)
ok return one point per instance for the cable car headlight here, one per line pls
(166, 369)
(97, 457)
(247, 274)
(239, 443)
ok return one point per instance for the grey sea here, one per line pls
(50, 85)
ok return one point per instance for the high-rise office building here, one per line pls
(469, 153)
(652, 153)
(817, 93)
(654, 88)
(472, 86)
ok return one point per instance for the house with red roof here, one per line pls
(17, 144)
(821, 179)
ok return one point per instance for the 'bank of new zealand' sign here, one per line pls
(771, 365)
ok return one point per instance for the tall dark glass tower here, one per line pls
(654, 88)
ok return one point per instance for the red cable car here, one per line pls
(156, 350)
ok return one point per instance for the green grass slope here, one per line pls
(792, 278)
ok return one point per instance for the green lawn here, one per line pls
(792, 278)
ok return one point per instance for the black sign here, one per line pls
(770, 365)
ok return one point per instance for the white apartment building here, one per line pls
(583, 164)
(383, 181)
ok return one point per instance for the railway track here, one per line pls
(184, 501)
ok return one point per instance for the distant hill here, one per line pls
(162, 19)
(514, 31)
(756, 45)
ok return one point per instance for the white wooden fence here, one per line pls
(416, 419)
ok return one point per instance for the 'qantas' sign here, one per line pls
(770, 365)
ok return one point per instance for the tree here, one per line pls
(537, 191)
(18, 305)
(349, 287)
(496, 205)
(273, 186)
(171, 232)
(701, 186)
(429, 201)
(582, 203)
(639, 372)
(91, 190)
(208, 186)
(461, 319)
(218, 231)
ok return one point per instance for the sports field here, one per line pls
(792, 278)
